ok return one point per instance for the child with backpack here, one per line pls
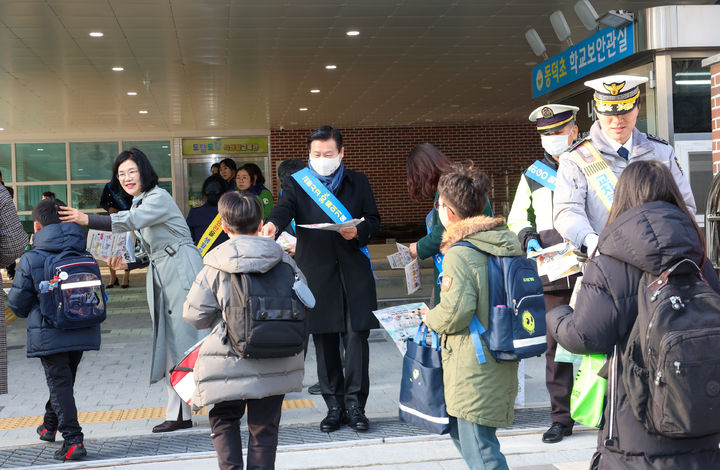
(662, 400)
(479, 397)
(227, 373)
(58, 288)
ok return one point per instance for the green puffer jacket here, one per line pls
(478, 393)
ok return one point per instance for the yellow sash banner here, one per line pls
(211, 234)
(599, 175)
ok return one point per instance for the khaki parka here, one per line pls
(479, 393)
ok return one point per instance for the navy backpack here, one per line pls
(516, 329)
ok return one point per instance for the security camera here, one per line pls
(282, 128)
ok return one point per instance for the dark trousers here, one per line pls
(347, 386)
(263, 425)
(60, 410)
(559, 376)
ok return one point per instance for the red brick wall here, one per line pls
(715, 106)
(502, 149)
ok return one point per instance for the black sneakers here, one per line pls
(556, 433)
(71, 451)
(45, 434)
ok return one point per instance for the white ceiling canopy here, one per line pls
(202, 67)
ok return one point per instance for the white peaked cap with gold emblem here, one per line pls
(551, 117)
(616, 94)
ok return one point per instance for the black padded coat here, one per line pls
(651, 238)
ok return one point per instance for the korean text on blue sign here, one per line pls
(599, 50)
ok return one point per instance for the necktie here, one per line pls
(623, 152)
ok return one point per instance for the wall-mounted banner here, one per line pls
(237, 146)
(594, 53)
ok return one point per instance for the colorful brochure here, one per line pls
(105, 245)
(401, 322)
(556, 261)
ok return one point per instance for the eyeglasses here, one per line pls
(439, 204)
(130, 173)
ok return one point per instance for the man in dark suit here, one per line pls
(339, 274)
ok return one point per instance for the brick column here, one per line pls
(714, 64)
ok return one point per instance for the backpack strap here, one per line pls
(476, 328)
(662, 279)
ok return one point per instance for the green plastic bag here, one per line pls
(588, 393)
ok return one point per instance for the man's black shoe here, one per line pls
(70, 451)
(169, 426)
(314, 389)
(556, 433)
(45, 434)
(332, 421)
(355, 417)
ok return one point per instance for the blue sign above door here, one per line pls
(589, 55)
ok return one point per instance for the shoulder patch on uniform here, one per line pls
(446, 283)
(677, 162)
(657, 139)
(578, 143)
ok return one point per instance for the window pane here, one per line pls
(691, 96)
(40, 162)
(87, 196)
(27, 223)
(5, 162)
(28, 196)
(158, 152)
(166, 185)
(92, 160)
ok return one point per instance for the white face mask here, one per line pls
(325, 166)
(555, 145)
(442, 215)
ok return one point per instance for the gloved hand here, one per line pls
(591, 242)
(533, 245)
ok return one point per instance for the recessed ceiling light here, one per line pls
(353, 33)
(40, 150)
(118, 69)
(132, 93)
(96, 34)
(314, 90)
(2, 128)
(303, 109)
(142, 111)
(164, 146)
(331, 67)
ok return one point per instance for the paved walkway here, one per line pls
(117, 402)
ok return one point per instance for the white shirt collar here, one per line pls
(616, 145)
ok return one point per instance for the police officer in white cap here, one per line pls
(531, 217)
(589, 170)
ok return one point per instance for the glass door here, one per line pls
(196, 170)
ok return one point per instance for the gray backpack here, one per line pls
(671, 363)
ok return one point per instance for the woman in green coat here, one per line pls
(250, 178)
(174, 262)
(425, 165)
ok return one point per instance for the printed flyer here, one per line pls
(105, 245)
(556, 261)
(334, 227)
(401, 322)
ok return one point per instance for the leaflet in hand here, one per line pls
(335, 227)
(286, 241)
(400, 259)
(105, 245)
(403, 260)
(400, 322)
(556, 261)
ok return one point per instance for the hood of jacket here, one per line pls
(652, 237)
(489, 234)
(58, 237)
(246, 254)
